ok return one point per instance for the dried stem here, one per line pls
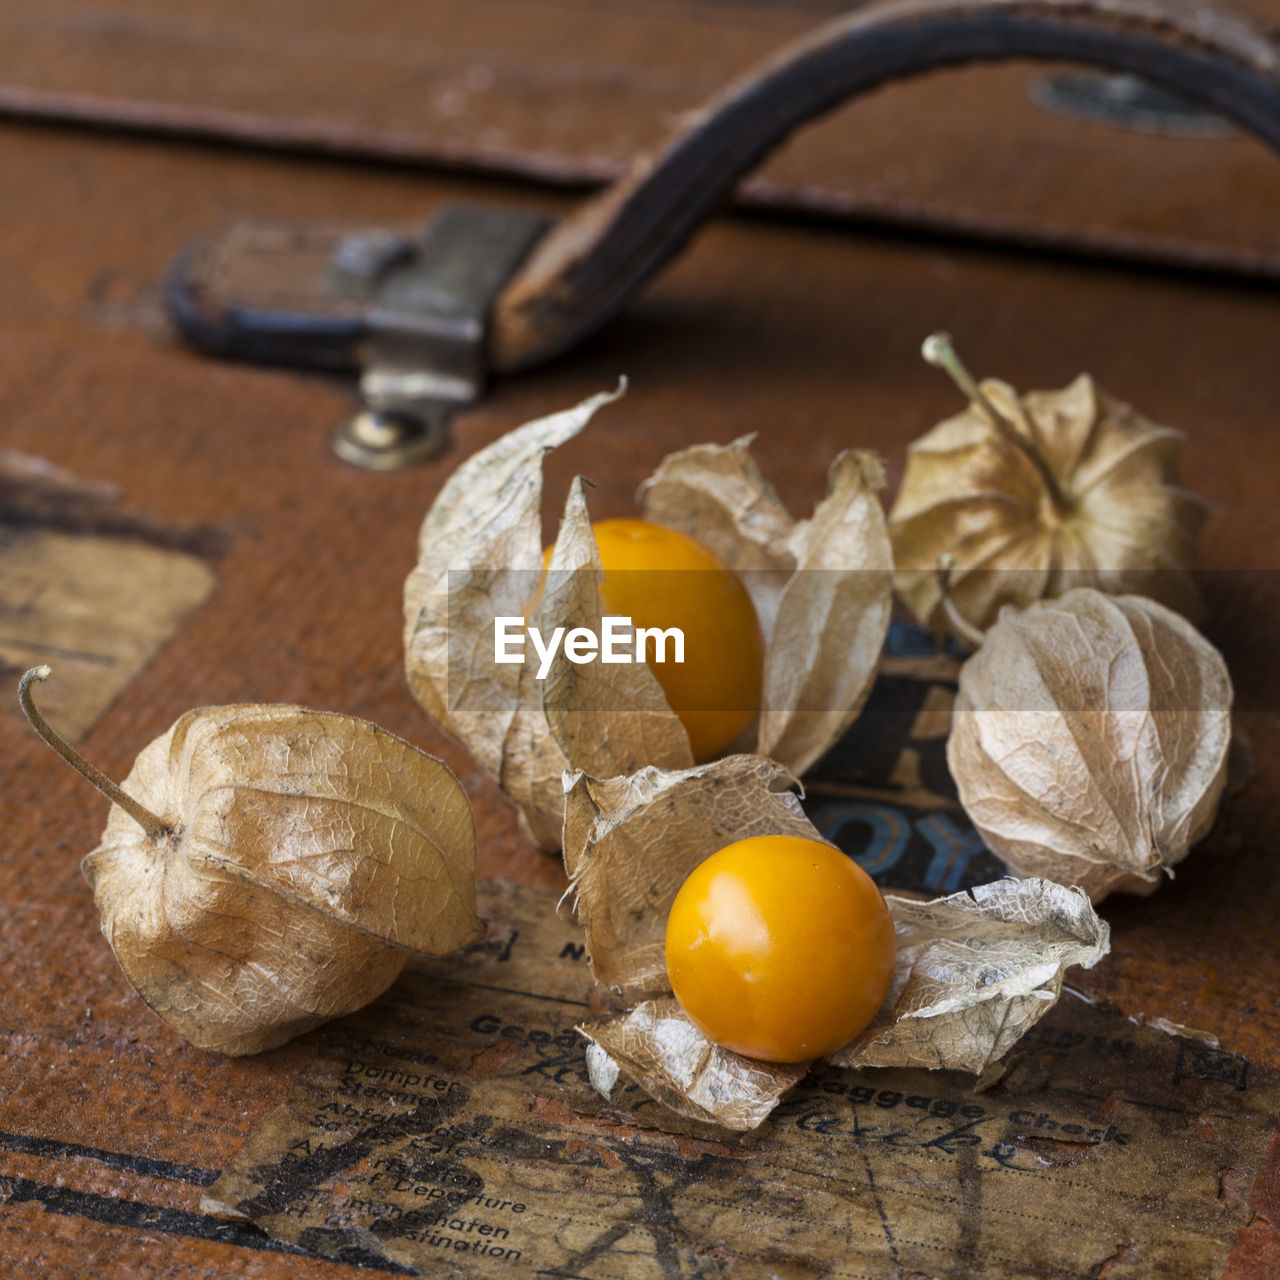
(155, 827)
(938, 351)
(959, 623)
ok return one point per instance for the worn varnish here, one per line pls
(808, 337)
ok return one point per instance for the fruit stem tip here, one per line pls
(154, 826)
(938, 351)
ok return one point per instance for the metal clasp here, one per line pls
(426, 325)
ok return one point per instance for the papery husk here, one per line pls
(607, 719)
(631, 842)
(480, 556)
(1089, 740)
(971, 496)
(972, 972)
(656, 1045)
(306, 856)
(832, 620)
(822, 589)
(718, 495)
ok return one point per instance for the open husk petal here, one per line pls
(306, 855)
(656, 1045)
(607, 718)
(718, 495)
(832, 618)
(532, 766)
(821, 589)
(973, 972)
(480, 557)
(631, 842)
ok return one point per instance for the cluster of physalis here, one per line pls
(648, 690)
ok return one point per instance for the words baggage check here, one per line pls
(450, 1128)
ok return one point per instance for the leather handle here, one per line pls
(594, 262)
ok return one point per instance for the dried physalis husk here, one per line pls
(267, 868)
(821, 589)
(1028, 496)
(1089, 740)
(972, 972)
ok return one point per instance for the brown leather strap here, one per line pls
(591, 265)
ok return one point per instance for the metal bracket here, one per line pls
(409, 311)
(426, 324)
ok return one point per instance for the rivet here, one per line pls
(390, 439)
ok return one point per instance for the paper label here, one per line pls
(96, 609)
(450, 1128)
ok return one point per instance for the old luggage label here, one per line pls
(452, 1129)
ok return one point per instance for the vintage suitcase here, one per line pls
(177, 531)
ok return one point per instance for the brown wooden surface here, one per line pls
(572, 90)
(808, 337)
